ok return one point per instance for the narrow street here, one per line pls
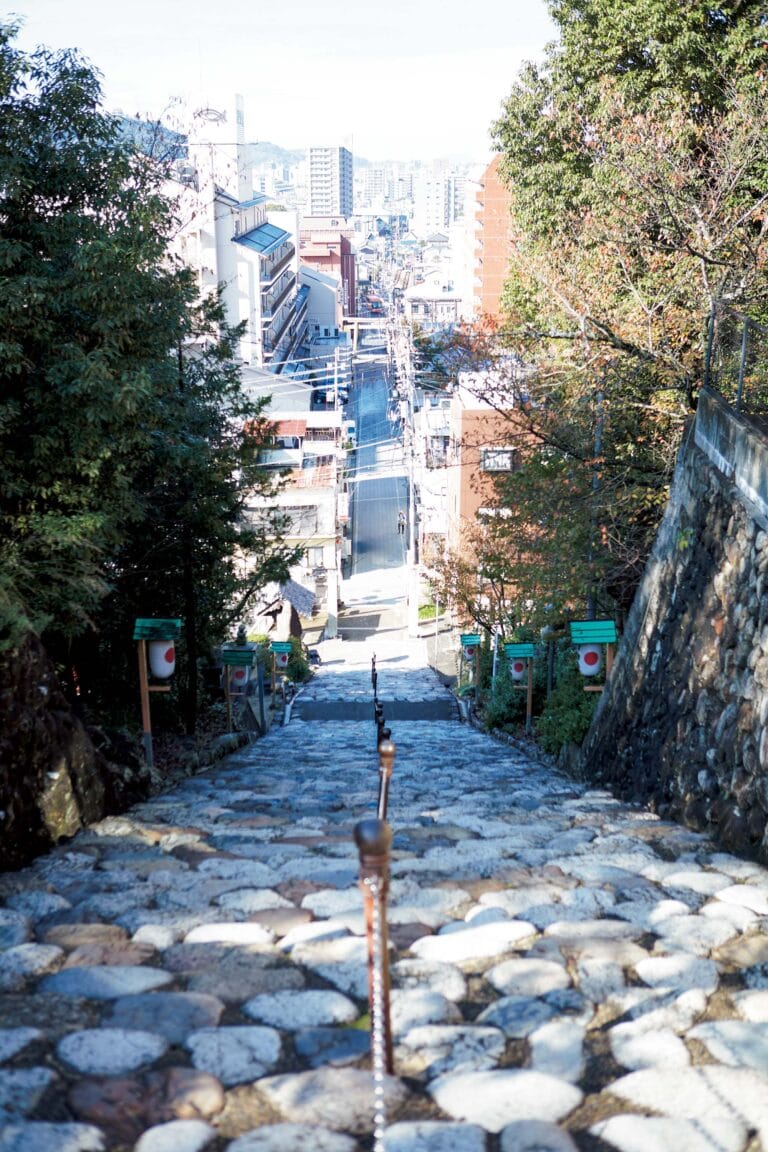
(568, 972)
(378, 475)
(379, 490)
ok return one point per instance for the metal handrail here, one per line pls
(736, 361)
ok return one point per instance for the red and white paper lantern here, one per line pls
(517, 668)
(162, 658)
(241, 676)
(281, 659)
(590, 659)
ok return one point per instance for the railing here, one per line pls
(271, 265)
(384, 746)
(374, 840)
(737, 361)
(272, 299)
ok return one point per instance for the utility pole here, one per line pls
(591, 591)
(413, 571)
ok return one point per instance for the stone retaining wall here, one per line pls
(683, 723)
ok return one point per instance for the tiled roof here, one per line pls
(300, 597)
(291, 428)
(323, 476)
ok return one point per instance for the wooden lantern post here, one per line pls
(235, 658)
(595, 633)
(470, 646)
(145, 631)
(524, 653)
(281, 651)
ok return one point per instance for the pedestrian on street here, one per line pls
(401, 523)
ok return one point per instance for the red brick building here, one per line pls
(325, 244)
(493, 250)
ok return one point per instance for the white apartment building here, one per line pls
(250, 254)
(326, 313)
(329, 182)
(434, 303)
(307, 442)
(266, 283)
(235, 244)
(438, 200)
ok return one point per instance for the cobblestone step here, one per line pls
(568, 971)
(362, 710)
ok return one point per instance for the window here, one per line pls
(498, 459)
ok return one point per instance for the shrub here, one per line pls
(568, 713)
(298, 668)
(504, 707)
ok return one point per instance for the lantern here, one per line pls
(240, 676)
(517, 668)
(162, 658)
(469, 642)
(281, 654)
(590, 659)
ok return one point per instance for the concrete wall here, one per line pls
(683, 723)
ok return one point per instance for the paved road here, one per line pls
(377, 499)
(568, 972)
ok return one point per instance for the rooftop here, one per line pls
(259, 198)
(265, 239)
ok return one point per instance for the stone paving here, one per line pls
(568, 972)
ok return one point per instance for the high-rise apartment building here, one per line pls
(329, 182)
(493, 246)
(438, 200)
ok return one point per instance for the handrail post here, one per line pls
(710, 347)
(742, 363)
(378, 717)
(374, 840)
(387, 752)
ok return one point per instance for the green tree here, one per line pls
(644, 52)
(195, 552)
(636, 162)
(127, 445)
(89, 309)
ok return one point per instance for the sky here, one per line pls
(399, 79)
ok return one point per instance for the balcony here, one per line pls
(271, 301)
(272, 267)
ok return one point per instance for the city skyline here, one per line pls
(414, 81)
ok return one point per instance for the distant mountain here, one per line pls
(266, 153)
